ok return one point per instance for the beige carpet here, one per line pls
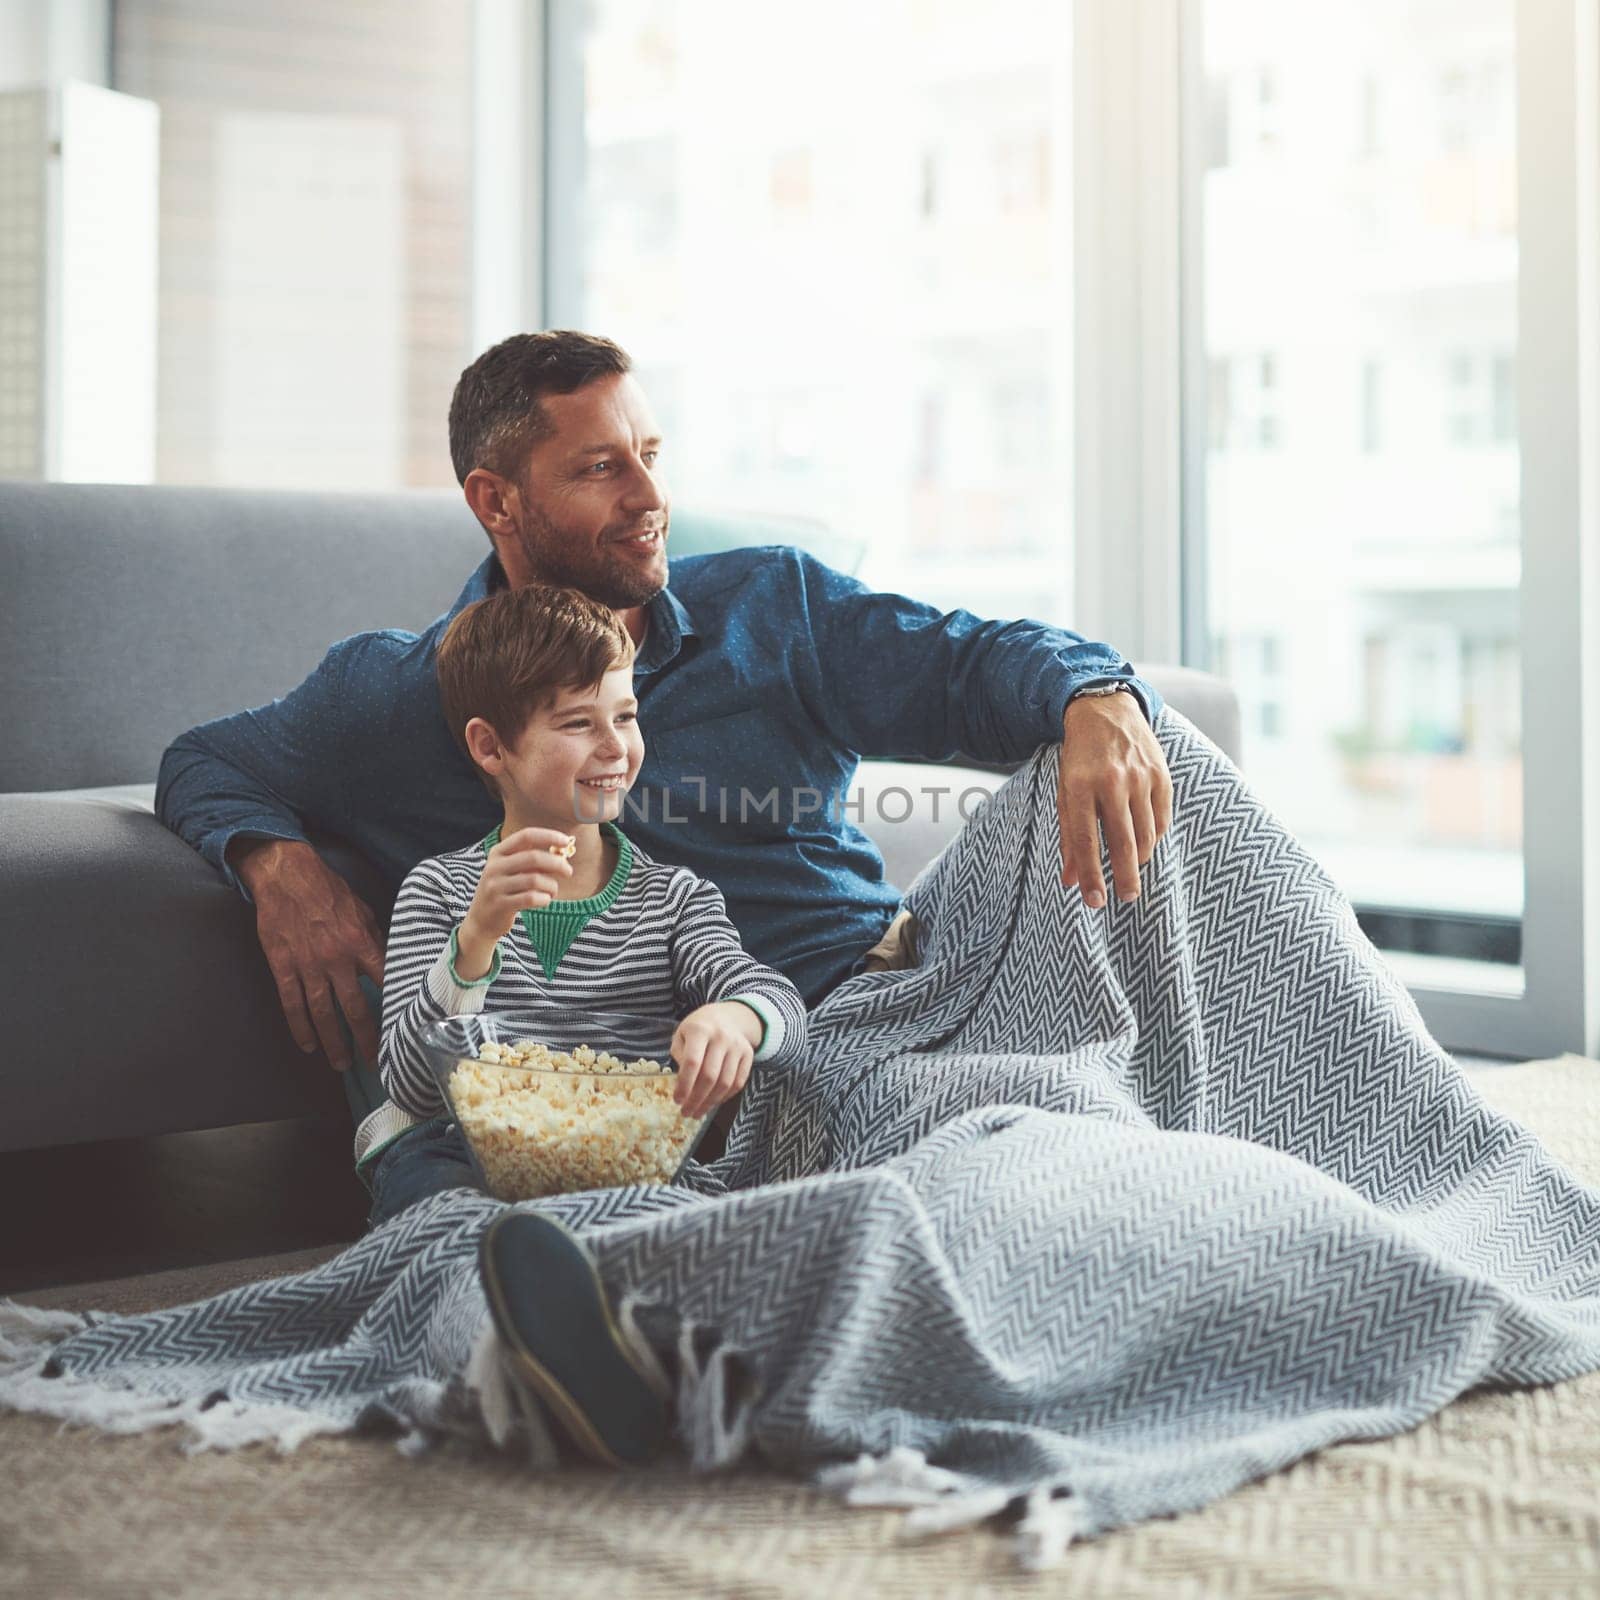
(1498, 1495)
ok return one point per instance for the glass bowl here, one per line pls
(553, 1120)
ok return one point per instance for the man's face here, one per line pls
(589, 491)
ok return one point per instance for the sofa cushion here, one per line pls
(131, 613)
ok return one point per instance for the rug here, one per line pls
(1493, 1498)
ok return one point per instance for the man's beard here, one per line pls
(613, 580)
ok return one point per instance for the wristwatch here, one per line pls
(1105, 688)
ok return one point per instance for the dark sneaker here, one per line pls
(562, 1340)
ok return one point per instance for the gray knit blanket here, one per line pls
(1094, 1216)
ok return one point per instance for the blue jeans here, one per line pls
(424, 1160)
(363, 1088)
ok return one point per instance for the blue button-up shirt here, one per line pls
(762, 679)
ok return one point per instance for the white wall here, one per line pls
(45, 41)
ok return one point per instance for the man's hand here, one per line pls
(318, 936)
(1112, 766)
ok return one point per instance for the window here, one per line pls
(1259, 663)
(1474, 105)
(1267, 129)
(1368, 127)
(1481, 404)
(1371, 406)
(1244, 406)
(1389, 549)
(862, 306)
(1503, 385)
(315, 196)
(1218, 144)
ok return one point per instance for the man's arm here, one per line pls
(241, 790)
(892, 677)
(261, 774)
(896, 678)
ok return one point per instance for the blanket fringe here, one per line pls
(75, 1399)
(939, 1501)
(224, 1424)
(901, 1476)
(640, 1348)
(505, 1404)
(1054, 1519)
(26, 1330)
(28, 1335)
(716, 1411)
(232, 1424)
(955, 1511)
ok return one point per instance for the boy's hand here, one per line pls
(714, 1048)
(520, 874)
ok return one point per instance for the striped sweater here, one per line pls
(655, 940)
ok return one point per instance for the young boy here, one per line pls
(556, 904)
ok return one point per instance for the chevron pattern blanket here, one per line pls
(1091, 1217)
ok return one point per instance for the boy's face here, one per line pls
(576, 758)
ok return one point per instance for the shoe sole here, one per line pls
(561, 1336)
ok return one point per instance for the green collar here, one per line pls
(552, 928)
(596, 903)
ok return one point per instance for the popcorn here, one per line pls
(584, 1120)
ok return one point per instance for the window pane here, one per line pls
(315, 226)
(855, 304)
(1363, 479)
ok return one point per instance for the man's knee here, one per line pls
(897, 949)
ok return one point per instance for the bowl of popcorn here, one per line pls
(553, 1100)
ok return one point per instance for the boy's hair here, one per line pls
(509, 656)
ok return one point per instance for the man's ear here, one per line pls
(494, 501)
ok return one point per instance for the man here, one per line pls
(762, 676)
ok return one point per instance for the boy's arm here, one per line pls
(895, 678)
(423, 984)
(709, 964)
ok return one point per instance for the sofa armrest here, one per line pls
(912, 810)
(1209, 701)
(121, 949)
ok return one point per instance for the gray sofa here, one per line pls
(135, 995)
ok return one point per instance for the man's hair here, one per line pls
(509, 656)
(495, 415)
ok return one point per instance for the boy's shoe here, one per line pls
(563, 1342)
